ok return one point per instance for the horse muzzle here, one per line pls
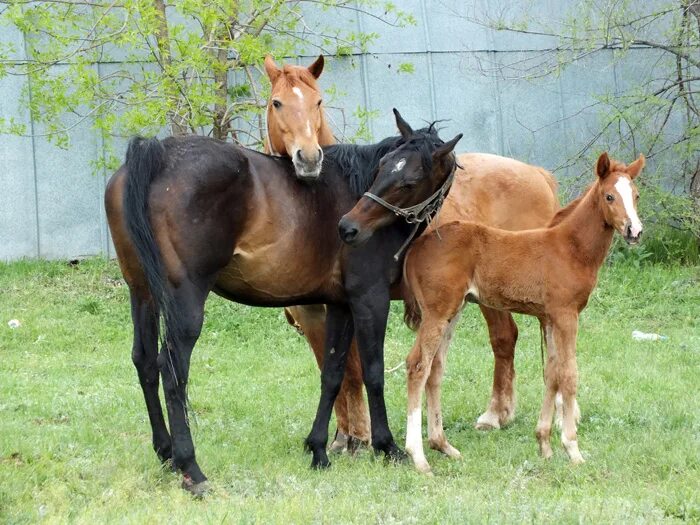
(351, 233)
(630, 235)
(308, 169)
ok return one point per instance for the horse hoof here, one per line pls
(396, 455)
(487, 421)
(320, 463)
(341, 443)
(424, 468)
(198, 490)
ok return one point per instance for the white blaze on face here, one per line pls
(624, 188)
(298, 93)
(308, 128)
(399, 165)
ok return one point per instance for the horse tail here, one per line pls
(145, 160)
(553, 185)
(412, 314)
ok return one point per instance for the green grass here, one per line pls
(75, 440)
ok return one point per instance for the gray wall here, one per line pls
(51, 199)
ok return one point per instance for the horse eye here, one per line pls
(277, 104)
(610, 198)
(319, 103)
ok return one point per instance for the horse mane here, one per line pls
(295, 75)
(569, 208)
(359, 163)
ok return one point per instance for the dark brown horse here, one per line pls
(190, 215)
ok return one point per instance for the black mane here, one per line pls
(359, 163)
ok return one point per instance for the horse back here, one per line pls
(500, 192)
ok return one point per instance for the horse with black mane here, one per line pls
(190, 215)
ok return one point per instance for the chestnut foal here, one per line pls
(548, 273)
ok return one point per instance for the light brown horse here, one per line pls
(548, 273)
(493, 190)
(296, 128)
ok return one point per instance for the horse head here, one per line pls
(618, 195)
(296, 124)
(411, 182)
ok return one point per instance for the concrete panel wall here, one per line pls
(51, 200)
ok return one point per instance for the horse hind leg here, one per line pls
(503, 334)
(436, 434)
(144, 355)
(419, 363)
(174, 365)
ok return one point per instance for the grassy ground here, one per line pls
(75, 441)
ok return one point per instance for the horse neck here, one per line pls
(587, 230)
(325, 135)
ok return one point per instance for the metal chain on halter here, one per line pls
(417, 214)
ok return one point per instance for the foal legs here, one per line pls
(350, 409)
(434, 337)
(560, 374)
(339, 330)
(144, 354)
(503, 334)
(436, 434)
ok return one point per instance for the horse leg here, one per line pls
(436, 434)
(174, 364)
(339, 329)
(370, 312)
(350, 409)
(544, 424)
(144, 354)
(418, 367)
(564, 330)
(503, 334)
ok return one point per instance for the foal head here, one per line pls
(295, 121)
(417, 173)
(618, 195)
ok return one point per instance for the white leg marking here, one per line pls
(414, 441)
(624, 188)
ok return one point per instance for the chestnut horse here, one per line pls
(296, 127)
(190, 215)
(548, 273)
(489, 189)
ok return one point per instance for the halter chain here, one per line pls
(419, 213)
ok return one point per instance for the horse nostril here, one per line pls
(348, 231)
(628, 231)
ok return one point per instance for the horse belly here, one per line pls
(274, 275)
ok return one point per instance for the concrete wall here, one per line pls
(51, 199)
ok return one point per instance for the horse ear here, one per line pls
(272, 70)
(602, 168)
(447, 147)
(403, 126)
(317, 67)
(635, 168)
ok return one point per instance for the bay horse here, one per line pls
(489, 189)
(190, 215)
(548, 273)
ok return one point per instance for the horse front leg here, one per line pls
(350, 408)
(370, 313)
(339, 330)
(182, 333)
(565, 327)
(503, 334)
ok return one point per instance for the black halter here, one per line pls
(418, 213)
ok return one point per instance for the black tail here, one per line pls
(145, 159)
